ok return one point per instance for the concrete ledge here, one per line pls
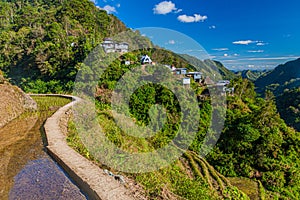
(88, 176)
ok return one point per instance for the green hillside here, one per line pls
(209, 67)
(43, 44)
(284, 82)
(285, 76)
(256, 143)
(42, 41)
(251, 75)
(288, 104)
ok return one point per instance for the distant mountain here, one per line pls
(283, 77)
(209, 67)
(251, 75)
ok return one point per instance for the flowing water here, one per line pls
(26, 171)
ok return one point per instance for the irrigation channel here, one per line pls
(26, 170)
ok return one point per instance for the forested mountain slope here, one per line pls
(252, 75)
(43, 41)
(285, 76)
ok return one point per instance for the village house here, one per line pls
(223, 83)
(146, 60)
(111, 46)
(186, 81)
(181, 71)
(197, 76)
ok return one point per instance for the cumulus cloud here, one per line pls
(190, 19)
(212, 27)
(109, 9)
(165, 7)
(244, 42)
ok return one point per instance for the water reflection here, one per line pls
(43, 179)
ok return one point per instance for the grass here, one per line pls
(50, 104)
(47, 106)
(190, 177)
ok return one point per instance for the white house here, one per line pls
(186, 81)
(146, 60)
(223, 83)
(121, 47)
(110, 46)
(180, 71)
(197, 76)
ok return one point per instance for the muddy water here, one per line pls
(26, 171)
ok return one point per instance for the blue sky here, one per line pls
(242, 34)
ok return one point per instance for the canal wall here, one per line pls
(89, 177)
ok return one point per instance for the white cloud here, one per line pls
(226, 55)
(244, 42)
(94, 1)
(193, 50)
(256, 51)
(274, 58)
(164, 8)
(212, 27)
(190, 19)
(221, 49)
(261, 44)
(118, 5)
(109, 9)
(178, 11)
(171, 42)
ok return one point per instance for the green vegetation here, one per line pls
(288, 104)
(43, 41)
(47, 105)
(252, 75)
(43, 44)
(256, 143)
(283, 77)
(190, 177)
(209, 67)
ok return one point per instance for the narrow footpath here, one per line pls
(88, 176)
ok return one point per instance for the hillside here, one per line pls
(209, 67)
(256, 143)
(43, 45)
(288, 104)
(252, 75)
(285, 76)
(42, 41)
(14, 102)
